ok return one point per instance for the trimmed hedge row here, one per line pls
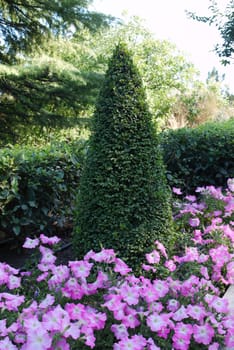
(38, 186)
(200, 156)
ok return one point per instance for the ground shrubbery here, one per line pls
(123, 201)
(38, 186)
(98, 303)
(199, 156)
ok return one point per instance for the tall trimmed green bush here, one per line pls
(123, 201)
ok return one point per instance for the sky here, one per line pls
(167, 19)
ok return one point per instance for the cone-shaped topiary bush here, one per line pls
(123, 201)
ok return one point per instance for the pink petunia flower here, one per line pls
(161, 248)
(194, 222)
(229, 338)
(203, 334)
(48, 301)
(153, 257)
(204, 272)
(156, 322)
(90, 339)
(56, 320)
(180, 314)
(121, 267)
(105, 255)
(31, 243)
(80, 268)
(13, 282)
(151, 345)
(130, 294)
(38, 340)
(220, 255)
(60, 273)
(148, 267)
(176, 190)
(183, 331)
(130, 320)
(196, 311)
(191, 198)
(170, 265)
(219, 304)
(120, 331)
(4, 275)
(180, 343)
(161, 287)
(230, 183)
(214, 346)
(136, 342)
(49, 240)
(48, 258)
(3, 329)
(6, 344)
(150, 294)
(173, 305)
(42, 277)
(61, 345)
(12, 302)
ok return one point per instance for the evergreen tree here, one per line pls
(42, 86)
(25, 24)
(47, 91)
(123, 200)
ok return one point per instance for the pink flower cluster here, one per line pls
(66, 305)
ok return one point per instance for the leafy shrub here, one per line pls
(38, 186)
(200, 156)
(123, 202)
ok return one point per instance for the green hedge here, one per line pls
(38, 186)
(200, 156)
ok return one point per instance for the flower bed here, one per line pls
(98, 303)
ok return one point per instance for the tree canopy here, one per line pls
(224, 21)
(165, 70)
(56, 84)
(44, 65)
(26, 23)
(48, 89)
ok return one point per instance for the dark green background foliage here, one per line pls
(38, 187)
(27, 23)
(200, 156)
(42, 95)
(123, 201)
(43, 84)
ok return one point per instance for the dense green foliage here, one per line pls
(56, 86)
(26, 24)
(43, 84)
(224, 21)
(38, 187)
(51, 174)
(49, 90)
(200, 156)
(123, 202)
(165, 70)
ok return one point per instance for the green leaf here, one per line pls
(16, 230)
